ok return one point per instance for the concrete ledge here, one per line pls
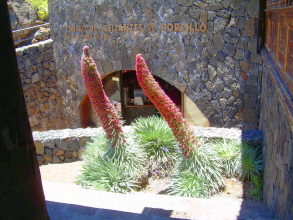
(253, 137)
(44, 44)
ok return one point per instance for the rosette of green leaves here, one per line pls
(158, 143)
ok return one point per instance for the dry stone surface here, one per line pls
(37, 70)
(277, 150)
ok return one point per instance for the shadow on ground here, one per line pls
(71, 211)
(259, 210)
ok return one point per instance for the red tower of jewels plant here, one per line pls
(101, 104)
(166, 107)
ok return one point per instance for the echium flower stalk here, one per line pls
(100, 102)
(171, 113)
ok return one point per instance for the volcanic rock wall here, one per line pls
(207, 49)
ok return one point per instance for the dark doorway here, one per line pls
(127, 97)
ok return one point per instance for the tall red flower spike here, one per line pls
(101, 104)
(170, 112)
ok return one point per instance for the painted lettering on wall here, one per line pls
(107, 29)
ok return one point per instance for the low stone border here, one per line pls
(68, 145)
(252, 137)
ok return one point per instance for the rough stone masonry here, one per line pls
(68, 145)
(39, 83)
(207, 49)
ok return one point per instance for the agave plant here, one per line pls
(98, 146)
(188, 184)
(104, 174)
(157, 141)
(256, 192)
(130, 154)
(252, 162)
(156, 138)
(115, 170)
(229, 152)
(206, 165)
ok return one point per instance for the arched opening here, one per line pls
(192, 113)
(85, 108)
(130, 102)
(111, 84)
(88, 116)
(136, 103)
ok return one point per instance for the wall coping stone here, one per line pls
(41, 43)
(209, 132)
(253, 137)
(65, 134)
(68, 145)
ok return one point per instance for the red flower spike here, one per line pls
(101, 104)
(166, 107)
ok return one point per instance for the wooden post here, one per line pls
(21, 192)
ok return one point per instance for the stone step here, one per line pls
(69, 201)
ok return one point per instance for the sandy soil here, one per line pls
(68, 172)
(62, 172)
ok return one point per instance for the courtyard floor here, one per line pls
(65, 200)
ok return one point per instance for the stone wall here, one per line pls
(58, 146)
(68, 145)
(207, 49)
(277, 148)
(40, 86)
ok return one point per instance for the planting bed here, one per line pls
(68, 172)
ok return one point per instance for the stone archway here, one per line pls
(124, 100)
(87, 115)
(86, 112)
